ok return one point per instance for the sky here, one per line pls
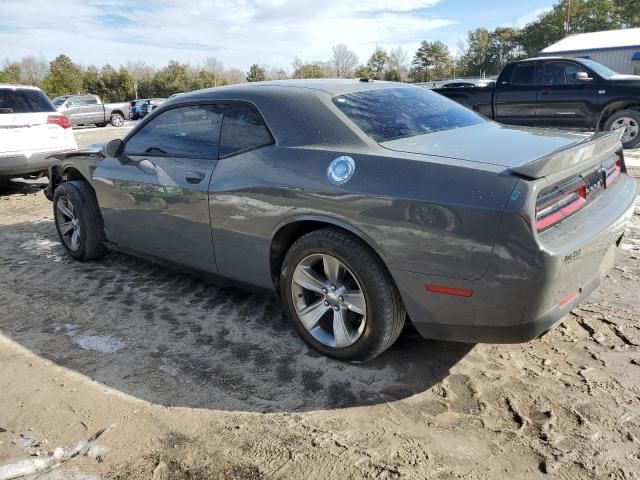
(241, 32)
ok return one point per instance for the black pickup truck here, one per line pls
(570, 93)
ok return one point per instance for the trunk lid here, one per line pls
(529, 152)
(21, 133)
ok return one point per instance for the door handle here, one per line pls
(544, 93)
(194, 177)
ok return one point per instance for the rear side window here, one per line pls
(190, 131)
(394, 113)
(242, 129)
(24, 101)
(89, 100)
(523, 74)
(557, 73)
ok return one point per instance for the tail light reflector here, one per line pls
(60, 120)
(559, 203)
(459, 292)
(613, 171)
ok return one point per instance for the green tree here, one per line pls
(118, 84)
(585, 16)
(629, 12)
(64, 77)
(174, 78)
(361, 71)
(432, 61)
(11, 74)
(377, 63)
(309, 70)
(92, 81)
(256, 74)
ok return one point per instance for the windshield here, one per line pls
(59, 101)
(404, 112)
(600, 69)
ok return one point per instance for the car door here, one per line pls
(73, 110)
(154, 196)
(516, 96)
(564, 100)
(94, 110)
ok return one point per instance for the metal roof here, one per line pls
(610, 39)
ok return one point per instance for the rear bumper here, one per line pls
(22, 164)
(531, 283)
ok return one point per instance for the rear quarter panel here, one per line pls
(439, 217)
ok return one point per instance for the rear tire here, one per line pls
(362, 272)
(78, 220)
(117, 120)
(630, 120)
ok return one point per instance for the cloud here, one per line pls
(238, 32)
(531, 16)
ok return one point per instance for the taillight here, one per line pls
(612, 170)
(559, 203)
(60, 120)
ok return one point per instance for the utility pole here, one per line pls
(567, 23)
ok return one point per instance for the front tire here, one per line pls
(117, 120)
(78, 220)
(340, 298)
(630, 121)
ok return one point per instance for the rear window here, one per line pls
(395, 113)
(24, 101)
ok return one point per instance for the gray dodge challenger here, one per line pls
(362, 203)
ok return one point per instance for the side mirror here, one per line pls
(583, 77)
(113, 149)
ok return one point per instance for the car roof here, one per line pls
(550, 57)
(16, 86)
(328, 86)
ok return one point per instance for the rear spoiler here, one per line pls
(590, 151)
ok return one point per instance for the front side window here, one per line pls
(394, 113)
(190, 131)
(523, 74)
(242, 129)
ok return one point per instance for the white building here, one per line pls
(617, 49)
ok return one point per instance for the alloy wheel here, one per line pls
(68, 223)
(117, 120)
(631, 128)
(329, 300)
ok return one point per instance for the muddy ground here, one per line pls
(200, 381)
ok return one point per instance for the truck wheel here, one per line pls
(78, 220)
(630, 121)
(117, 120)
(341, 300)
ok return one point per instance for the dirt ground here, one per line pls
(198, 381)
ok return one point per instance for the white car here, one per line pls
(32, 132)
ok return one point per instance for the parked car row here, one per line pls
(141, 107)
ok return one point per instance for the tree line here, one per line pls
(483, 52)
